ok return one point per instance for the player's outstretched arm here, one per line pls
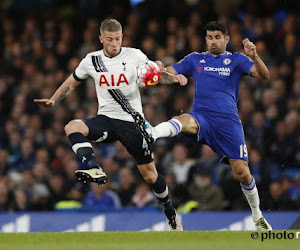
(66, 88)
(170, 76)
(259, 68)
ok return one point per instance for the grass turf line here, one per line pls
(208, 240)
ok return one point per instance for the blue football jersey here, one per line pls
(216, 79)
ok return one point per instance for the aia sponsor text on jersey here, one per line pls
(113, 80)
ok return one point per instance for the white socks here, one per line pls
(170, 128)
(251, 193)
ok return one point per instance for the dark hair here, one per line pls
(217, 25)
(111, 25)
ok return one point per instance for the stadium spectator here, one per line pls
(181, 164)
(20, 202)
(283, 146)
(57, 188)
(208, 162)
(126, 186)
(233, 197)
(41, 173)
(76, 192)
(100, 198)
(69, 169)
(111, 168)
(274, 201)
(178, 193)
(208, 195)
(37, 193)
(4, 197)
(290, 193)
(5, 167)
(262, 170)
(143, 197)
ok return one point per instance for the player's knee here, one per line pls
(75, 126)
(243, 175)
(241, 171)
(69, 127)
(188, 123)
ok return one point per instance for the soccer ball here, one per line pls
(148, 75)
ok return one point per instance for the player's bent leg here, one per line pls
(183, 123)
(188, 123)
(77, 131)
(160, 190)
(242, 173)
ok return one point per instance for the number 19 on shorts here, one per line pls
(243, 151)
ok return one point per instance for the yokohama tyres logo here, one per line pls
(222, 69)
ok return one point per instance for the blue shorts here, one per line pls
(223, 133)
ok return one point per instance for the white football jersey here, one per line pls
(115, 80)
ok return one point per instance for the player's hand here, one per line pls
(181, 79)
(45, 102)
(250, 48)
(160, 65)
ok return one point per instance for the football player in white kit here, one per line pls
(114, 71)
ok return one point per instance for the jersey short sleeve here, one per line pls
(81, 72)
(140, 57)
(185, 66)
(246, 64)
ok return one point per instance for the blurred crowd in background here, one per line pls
(42, 42)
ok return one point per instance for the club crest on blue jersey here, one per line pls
(226, 61)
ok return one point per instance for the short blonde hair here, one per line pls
(110, 25)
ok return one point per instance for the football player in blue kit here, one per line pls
(214, 116)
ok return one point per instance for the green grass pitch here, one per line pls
(206, 240)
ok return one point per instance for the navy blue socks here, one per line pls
(83, 149)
